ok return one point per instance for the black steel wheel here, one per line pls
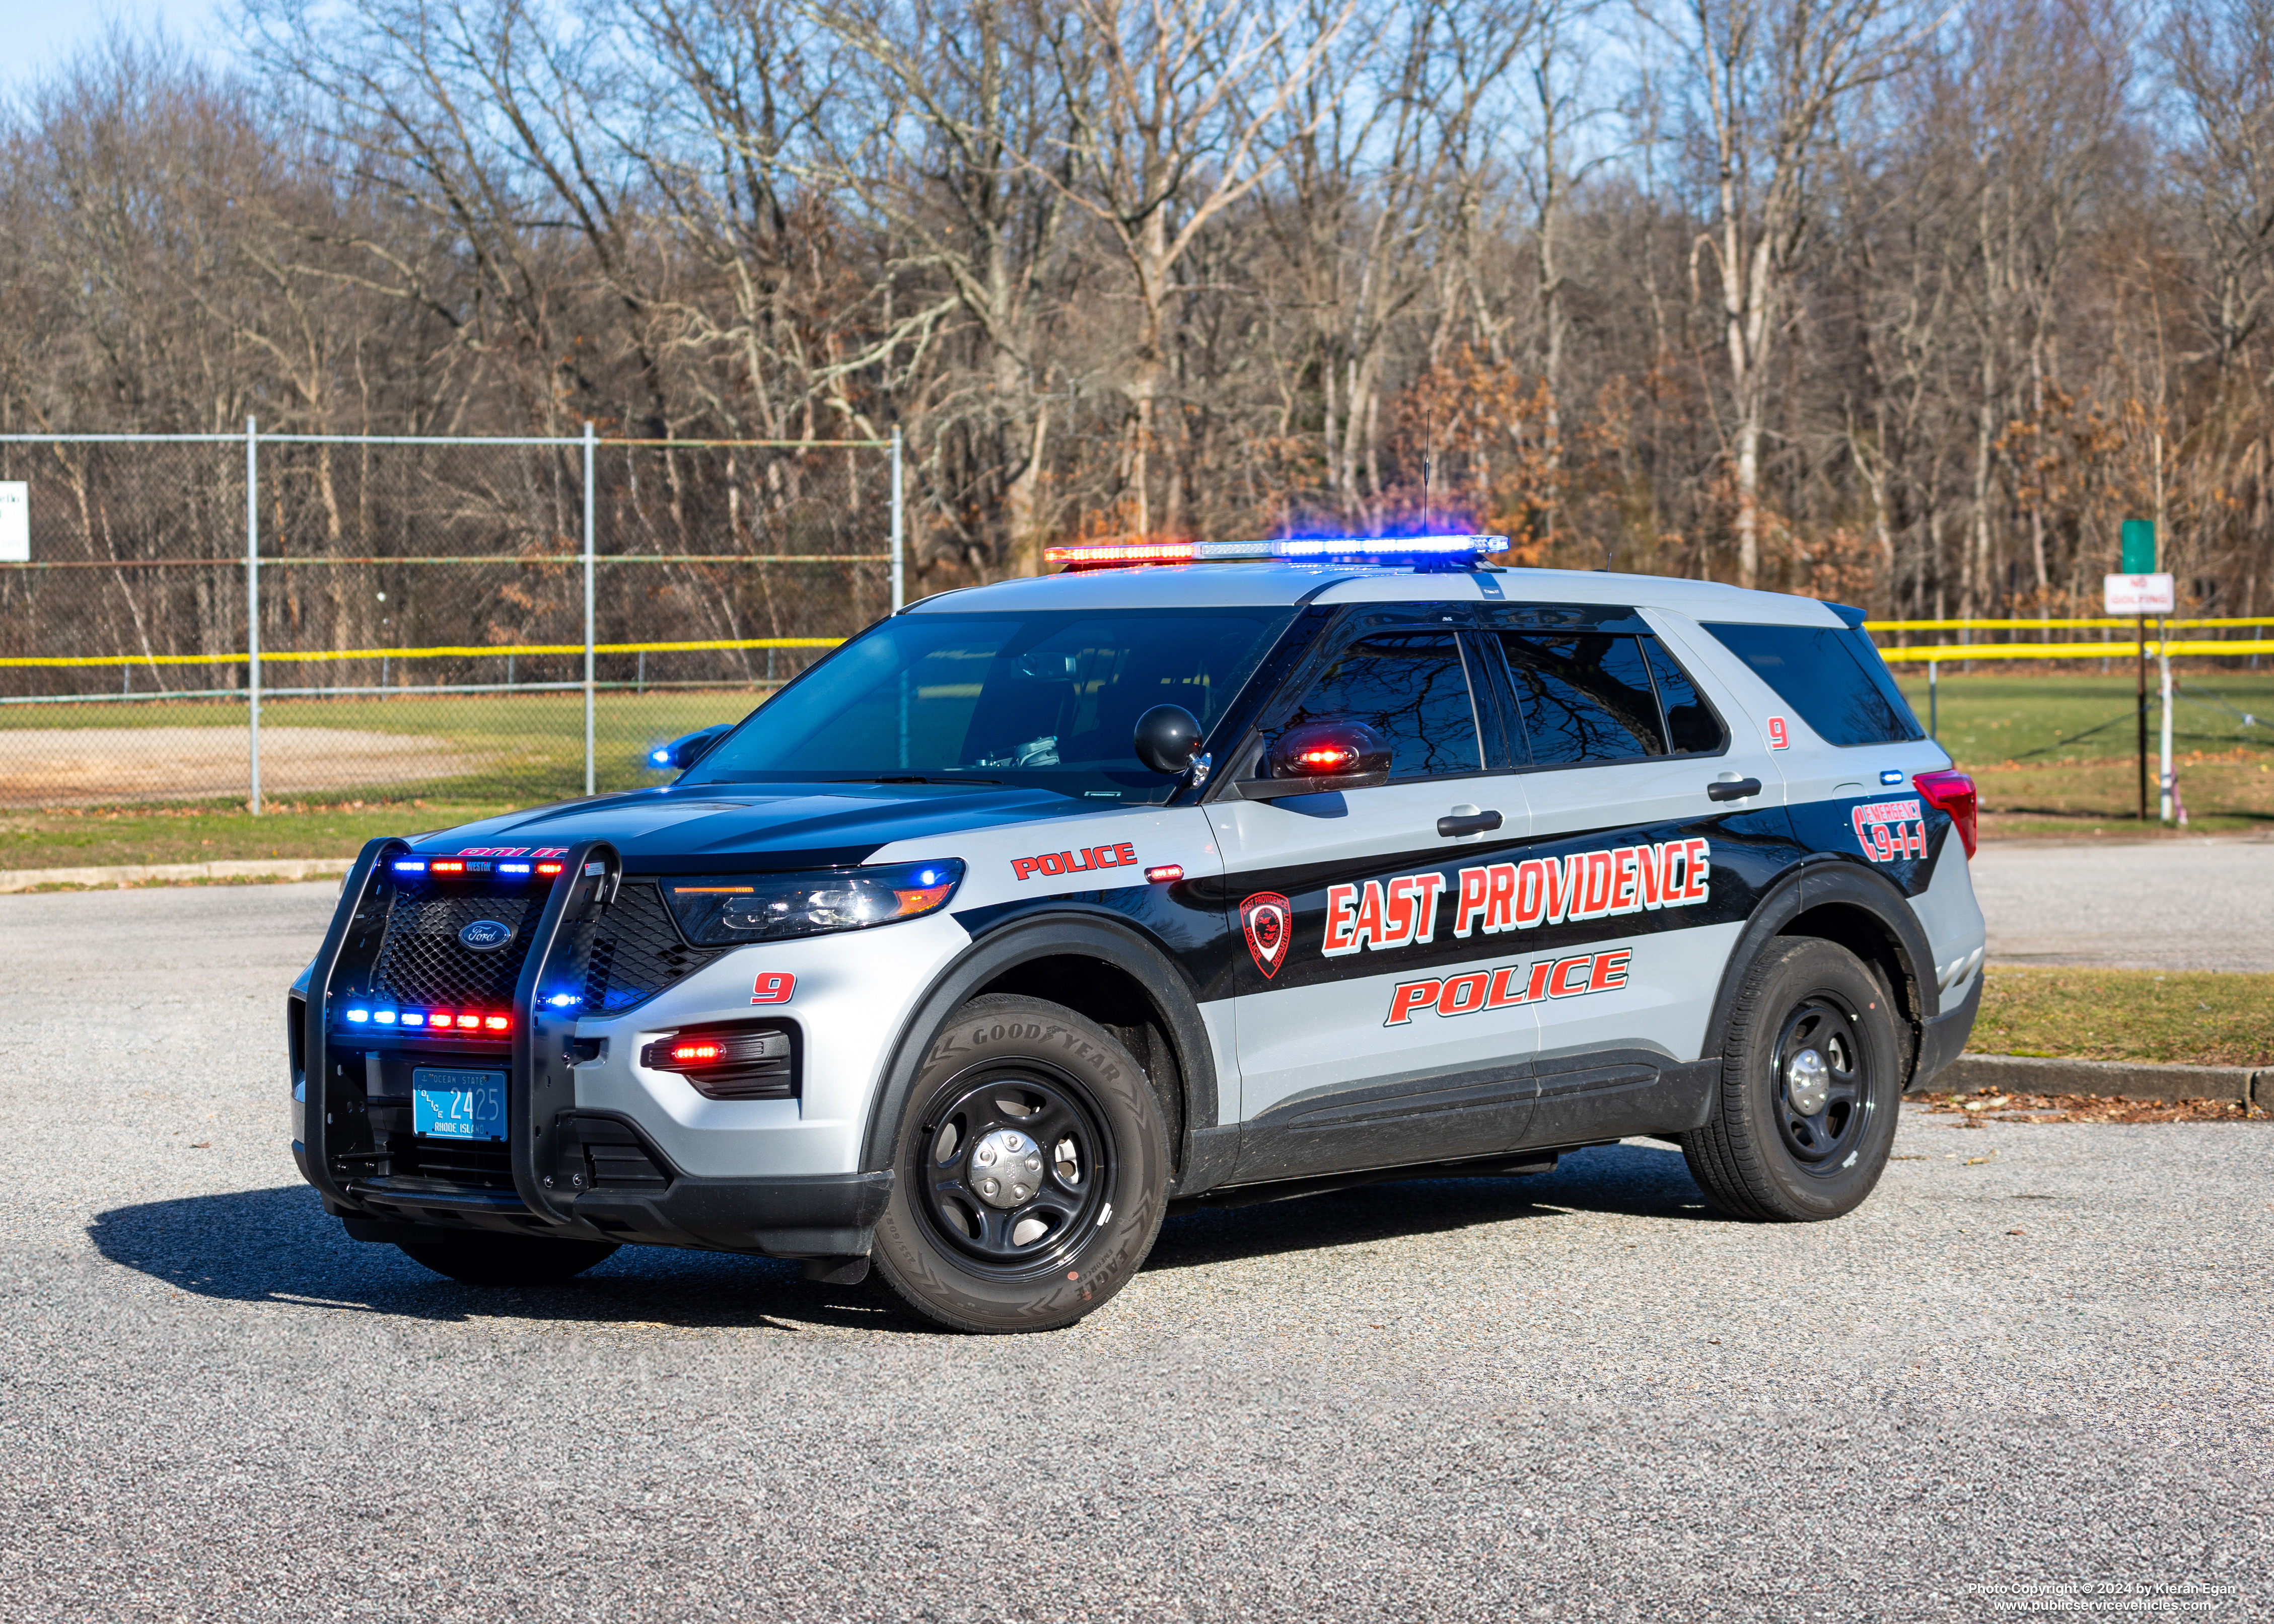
(1032, 1172)
(1015, 1163)
(1812, 1080)
(1823, 1107)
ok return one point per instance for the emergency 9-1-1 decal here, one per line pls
(1890, 831)
(1575, 976)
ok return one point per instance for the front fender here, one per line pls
(1097, 935)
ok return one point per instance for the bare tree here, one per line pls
(951, 150)
(1767, 76)
(1171, 102)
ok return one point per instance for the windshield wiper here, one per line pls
(915, 777)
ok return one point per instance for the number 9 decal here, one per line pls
(774, 986)
(1779, 738)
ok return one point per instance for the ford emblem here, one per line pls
(486, 935)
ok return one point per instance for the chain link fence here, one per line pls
(262, 617)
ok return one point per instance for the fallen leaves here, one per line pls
(1988, 1106)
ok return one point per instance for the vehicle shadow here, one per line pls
(278, 1245)
(1643, 1181)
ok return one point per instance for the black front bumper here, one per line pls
(832, 1215)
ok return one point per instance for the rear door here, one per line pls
(1343, 904)
(1656, 819)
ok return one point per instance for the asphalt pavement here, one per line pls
(2038, 1355)
(2166, 904)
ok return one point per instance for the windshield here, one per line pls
(1035, 700)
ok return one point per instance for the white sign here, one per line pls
(15, 522)
(2140, 595)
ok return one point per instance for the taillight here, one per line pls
(1954, 793)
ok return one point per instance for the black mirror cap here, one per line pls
(683, 752)
(1168, 737)
(1339, 750)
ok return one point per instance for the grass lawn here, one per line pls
(2050, 751)
(2053, 753)
(528, 749)
(2180, 1017)
(78, 838)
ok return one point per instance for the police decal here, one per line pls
(1571, 977)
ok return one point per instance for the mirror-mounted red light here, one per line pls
(1328, 750)
(1952, 791)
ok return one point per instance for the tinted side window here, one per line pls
(1409, 687)
(1585, 697)
(1841, 691)
(1690, 724)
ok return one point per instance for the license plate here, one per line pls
(457, 1105)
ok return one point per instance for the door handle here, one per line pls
(1732, 789)
(1467, 823)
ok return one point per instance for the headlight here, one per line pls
(768, 908)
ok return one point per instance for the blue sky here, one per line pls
(39, 34)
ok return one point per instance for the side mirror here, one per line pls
(1320, 756)
(684, 752)
(1168, 738)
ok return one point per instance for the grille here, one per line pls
(637, 952)
(423, 961)
(481, 1167)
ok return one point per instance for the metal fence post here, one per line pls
(589, 778)
(253, 598)
(900, 594)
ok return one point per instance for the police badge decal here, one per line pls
(1269, 923)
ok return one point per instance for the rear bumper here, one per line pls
(824, 1215)
(1942, 1039)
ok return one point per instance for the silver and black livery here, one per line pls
(1216, 874)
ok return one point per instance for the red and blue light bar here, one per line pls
(1453, 550)
(456, 866)
(483, 1022)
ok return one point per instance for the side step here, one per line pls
(1514, 1166)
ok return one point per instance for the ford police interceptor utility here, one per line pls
(1195, 873)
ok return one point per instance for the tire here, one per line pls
(480, 1258)
(1812, 1027)
(1014, 1088)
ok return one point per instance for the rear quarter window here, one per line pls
(1831, 676)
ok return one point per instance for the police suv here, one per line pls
(1202, 873)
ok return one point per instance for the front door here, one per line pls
(1365, 1035)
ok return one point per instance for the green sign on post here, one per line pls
(2139, 536)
